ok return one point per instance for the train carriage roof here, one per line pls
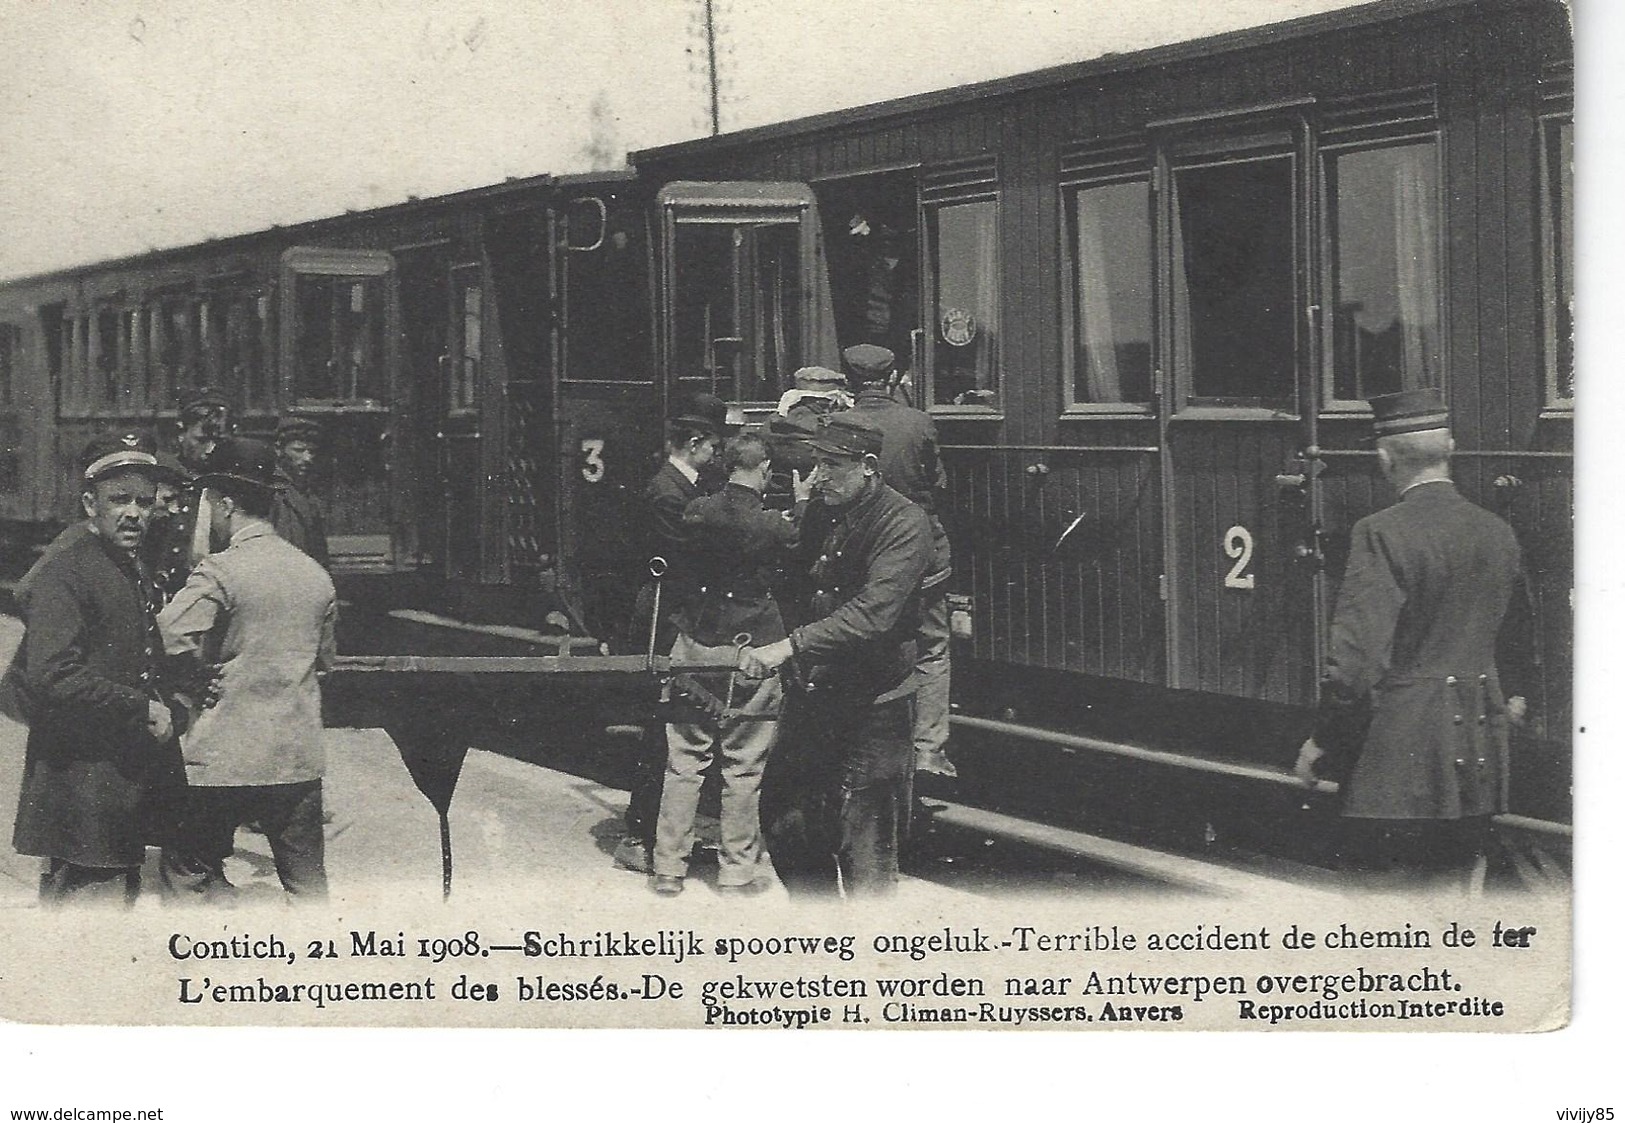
(496, 194)
(1099, 66)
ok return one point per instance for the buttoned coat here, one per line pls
(1413, 638)
(264, 612)
(737, 546)
(859, 643)
(97, 787)
(300, 518)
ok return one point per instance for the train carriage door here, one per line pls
(744, 297)
(609, 427)
(339, 353)
(1236, 357)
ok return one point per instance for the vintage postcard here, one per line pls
(1062, 525)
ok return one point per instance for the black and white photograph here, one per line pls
(943, 519)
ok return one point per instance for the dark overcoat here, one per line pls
(300, 518)
(1413, 638)
(96, 787)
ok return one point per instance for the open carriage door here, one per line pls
(745, 299)
(1238, 351)
(339, 342)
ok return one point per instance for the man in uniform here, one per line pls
(205, 419)
(909, 464)
(297, 512)
(835, 794)
(262, 611)
(692, 437)
(1413, 721)
(737, 545)
(102, 772)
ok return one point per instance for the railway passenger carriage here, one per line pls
(1146, 298)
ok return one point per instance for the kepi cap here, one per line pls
(1409, 411)
(841, 434)
(124, 451)
(869, 362)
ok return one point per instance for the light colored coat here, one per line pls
(264, 611)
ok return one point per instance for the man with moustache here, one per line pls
(102, 773)
(835, 793)
(297, 512)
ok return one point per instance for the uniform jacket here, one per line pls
(737, 545)
(1413, 637)
(300, 518)
(859, 644)
(96, 786)
(264, 611)
(909, 463)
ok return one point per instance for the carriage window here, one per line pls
(242, 358)
(1558, 221)
(468, 347)
(1109, 293)
(601, 343)
(737, 303)
(1233, 287)
(171, 349)
(964, 266)
(338, 343)
(109, 359)
(1385, 277)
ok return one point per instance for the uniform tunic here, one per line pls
(97, 787)
(1427, 586)
(834, 795)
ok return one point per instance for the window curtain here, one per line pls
(1102, 380)
(1416, 258)
(987, 293)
